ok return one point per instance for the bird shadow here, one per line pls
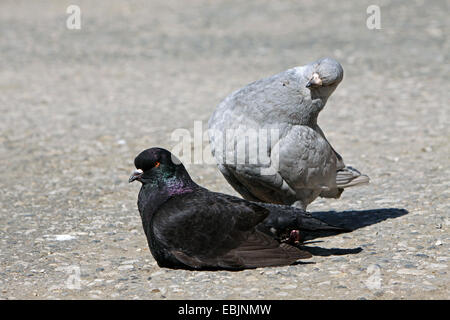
(324, 252)
(353, 220)
(350, 220)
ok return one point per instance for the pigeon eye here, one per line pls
(157, 164)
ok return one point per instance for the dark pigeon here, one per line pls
(190, 227)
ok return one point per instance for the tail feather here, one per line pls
(345, 177)
(312, 228)
(283, 219)
(349, 177)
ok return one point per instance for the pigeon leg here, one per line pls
(294, 237)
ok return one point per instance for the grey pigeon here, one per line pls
(267, 142)
(188, 226)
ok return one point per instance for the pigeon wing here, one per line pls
(339, 161)
(212, 230)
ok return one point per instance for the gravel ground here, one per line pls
(78, 105)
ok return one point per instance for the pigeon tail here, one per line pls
(282, 220)
(312, 228)
(349, 177)
(345, 178)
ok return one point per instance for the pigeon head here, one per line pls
(154, 164)
(325, 72)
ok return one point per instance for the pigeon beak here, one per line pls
(315, 81)
(136, 175)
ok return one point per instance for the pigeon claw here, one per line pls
(294, 237)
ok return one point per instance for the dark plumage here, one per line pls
(188, 226)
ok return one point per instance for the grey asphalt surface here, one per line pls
(78, 105)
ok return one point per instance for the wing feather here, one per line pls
(213, 230)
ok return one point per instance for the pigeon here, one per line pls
(189, 227)
(293, 163)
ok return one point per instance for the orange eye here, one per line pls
(157, 164)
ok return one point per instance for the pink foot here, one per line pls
(294, 237)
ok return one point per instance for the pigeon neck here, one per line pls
(176, 181)
(323, 93)
(309, 118)
(161, 188)
(319, 97)
(176, 186)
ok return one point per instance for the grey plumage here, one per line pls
(297, 164)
